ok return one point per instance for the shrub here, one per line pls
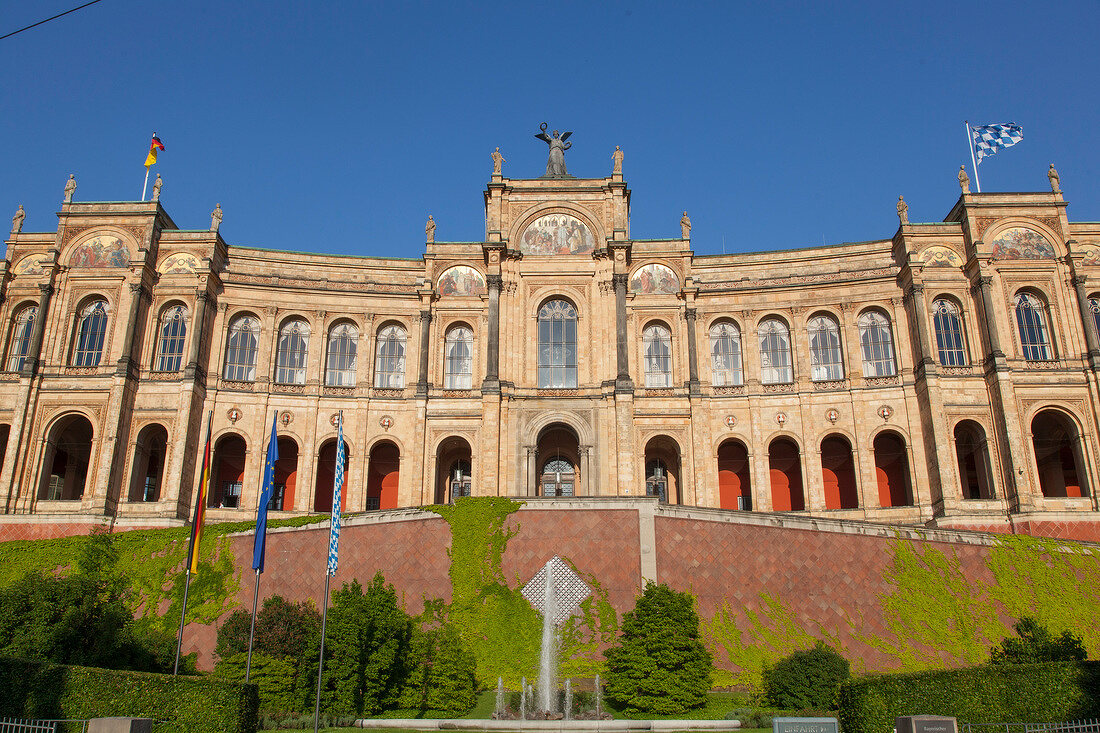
(36, 689)
(659, 665)
(808, 678)
(1035, 644)
(283, 630)
(274, 679)
(442, 673)
(1025, 693)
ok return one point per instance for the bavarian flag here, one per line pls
(153, 147)
(200, 504)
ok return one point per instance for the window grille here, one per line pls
(290, 361)
(1031, 322)
(557, 362)
(947, 323)
(173, 333)
(240, 349)
(775, 352)
(725, 352)
(657, 344)
(826, 362)
(20, 341)
(458, 363)
(877, 343)
(389, 368)
(343, 341)
(90, 334)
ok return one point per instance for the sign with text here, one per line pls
(925, 724)
(805, 725)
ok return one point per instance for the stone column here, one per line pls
(925, 362)
(693, 359)
(586, 468)
(532, 460)
(984, 287)
(34, 353)
(137, 293)
(1088, 321)
(198, 333)
(622, 378)
(425, 333)
(492, 348)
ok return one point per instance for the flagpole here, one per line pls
(252, 631)
(973, 160)
(145, 186)
(321, 661)
(183, 615)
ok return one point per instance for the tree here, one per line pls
(660, 664)
(1035, 644)
(808, 679)
(284, 630)
(442, 673)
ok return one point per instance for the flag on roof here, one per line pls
(155, 145)
(988, 139)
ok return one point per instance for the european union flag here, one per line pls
(265, 497)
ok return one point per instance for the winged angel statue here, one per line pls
(555, 165)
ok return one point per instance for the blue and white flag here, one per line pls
(337, 485)
(988, 139)
(265, 497)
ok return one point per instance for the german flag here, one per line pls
(155, 145)
(200, 504)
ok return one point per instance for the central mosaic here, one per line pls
(557, 234)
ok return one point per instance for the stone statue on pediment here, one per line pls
(685, 226)
(617, 161)
(1055, 181)
(156, 187)
(17, 220)
(498, 161)
(216, 218)
(429, 230)
(903, 210)
(70, 187)
(964, 180)
(555, 164)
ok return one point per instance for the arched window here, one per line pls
(1031, 321)
(91, 331)
(19, 343)
(657, 344)
(343, 338)
(947, 323)
(826, 363)
(1094, 309)
(775, 352)
(389, 363)
(458, 358)
(173, 332)
(559, 478)
(557, 345)
(656, 479)
(240, 349)
(725, 354)
(877, 344)
(290, 360)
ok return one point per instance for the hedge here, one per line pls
(34, 689)
(1021, 693)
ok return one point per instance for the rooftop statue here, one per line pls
(1052, 174)
(555, 165)
(70, 187)
(964, 180)
(903, 210)
(17, 220)
(498, 160)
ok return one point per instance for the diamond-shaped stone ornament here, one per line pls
(569, 589)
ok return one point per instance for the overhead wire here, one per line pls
(47, 20)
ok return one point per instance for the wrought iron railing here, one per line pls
(1072, 726)
(21, 725)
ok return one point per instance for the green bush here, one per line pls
(273, 677)
(659, 665)
(283, 630)
(1025, 693)
(36, 689)
(1035, 644)
(442, 673)
(808, 678)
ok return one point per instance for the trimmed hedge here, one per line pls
(33, 689)
(1018, 693)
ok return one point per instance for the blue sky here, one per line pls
(338, 126)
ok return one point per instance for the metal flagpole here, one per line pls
(970, 143)
(145, 186)
(252, 631)
(321, 662)
(183, 614)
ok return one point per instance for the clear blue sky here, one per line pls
(338, 126)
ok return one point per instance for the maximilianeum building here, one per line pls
(945, 376)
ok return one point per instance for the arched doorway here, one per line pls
(972, 452)
(785, 473)
(149, 453)
(662, 469)
(383, 476)
(227, 472)
(286, 475)
(5, 433)
(1058, 455)
(66, 458)
(892, 470)
(734, 490)
(326, 476)
(558, 472)
(453, 470)
(838, 474)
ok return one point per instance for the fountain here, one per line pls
(498, 709)
(548, 654)
(568, 707)
(523, 699)
(599, 698)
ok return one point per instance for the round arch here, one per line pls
(548, 208)
(1058, 453)
(662, 468)
(838, 472)
(147, 468)
(972, 459)
(558, 469)
(453, 469)
(66, 458)
(383, 474)
(891, 451)
(227, 468)
(785, 473)
(734, 474)
(325, 471)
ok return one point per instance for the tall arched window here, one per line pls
(19, 343)
(343, 338)
(557, 345)
(826, 363)
(1031, 321)
(240, 349)
(1094, 309)
(657, 344)
(389, 363)
(91, 331)
(458, 358)
(725, 354)
(775, 352)
(947, 322)
(877, 343)
(173, 332)
(290, 360)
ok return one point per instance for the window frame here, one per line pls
(90, 335)
(458, 369)
(244, 370)
(556, 362)
(19, 338)
(341, 364)
(1043, 350)
(943, 309)
(734, 375)
(171, 359)
(775, 330)
(823, 367)
(657, 356)
(876, 354)
(292, 352)
(391, 351)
